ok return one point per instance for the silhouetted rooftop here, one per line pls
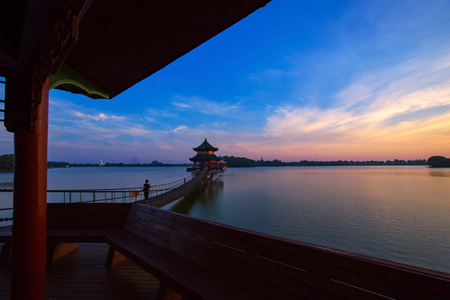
(205, 146)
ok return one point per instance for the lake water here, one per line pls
(396, 213)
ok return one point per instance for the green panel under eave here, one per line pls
(67, 79)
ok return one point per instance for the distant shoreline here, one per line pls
(242, 162)
(245, 162)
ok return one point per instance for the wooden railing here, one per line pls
(118, 195)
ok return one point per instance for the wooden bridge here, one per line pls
(178, 192)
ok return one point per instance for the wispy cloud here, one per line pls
(71, 122)
(97, 117)
(270, 75)
(205, 106)
(398, 106)
(180, 128)
(181, 105)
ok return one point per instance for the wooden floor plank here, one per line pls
(82, 274)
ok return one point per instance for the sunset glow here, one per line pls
(329, 80)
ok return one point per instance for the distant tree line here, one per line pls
(438, 162)
(306, 163)
(7, 163)
(245, 162)
(238, 162)
(55, 164)
(154, 163)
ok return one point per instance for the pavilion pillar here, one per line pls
(30, 105)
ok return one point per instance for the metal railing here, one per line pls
(2, 100)
(118, 195)
(178, 192)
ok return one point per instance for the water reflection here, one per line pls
(207, 195)
(439, 173)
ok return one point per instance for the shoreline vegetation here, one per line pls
(245, 162)
(438, 162)
(7, 163)
(54, 164)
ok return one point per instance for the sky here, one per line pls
(296, 80)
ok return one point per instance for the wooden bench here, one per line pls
(70, 224)
(205, 260)
(201, 259)
(73, 223)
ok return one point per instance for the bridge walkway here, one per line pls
(178, 192)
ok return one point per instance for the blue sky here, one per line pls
(326, 80)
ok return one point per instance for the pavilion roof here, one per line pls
(119, 43)
(205, 157)
(205, 146)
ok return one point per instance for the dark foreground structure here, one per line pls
(99, 49)
(93, 47)
(82, 274)
(197, 259)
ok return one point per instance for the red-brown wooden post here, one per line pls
(30, 187)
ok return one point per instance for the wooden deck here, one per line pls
(82, 274)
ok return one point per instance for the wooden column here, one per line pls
(30, 105)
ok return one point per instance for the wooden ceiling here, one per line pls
(120, 42)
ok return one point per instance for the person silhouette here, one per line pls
(146, 189)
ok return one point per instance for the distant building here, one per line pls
(206, 159)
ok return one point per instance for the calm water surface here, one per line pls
(396, 213)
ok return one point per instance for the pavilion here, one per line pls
(96, 48)
(205, 158)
